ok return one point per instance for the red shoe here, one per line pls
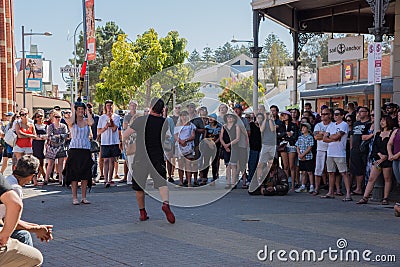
(143, 215)
(168, 213)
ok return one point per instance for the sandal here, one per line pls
(347, 199)
(328, 197)
(362, 201)
(385, 201)
(85, 201)
(339, 193)
(75, 202)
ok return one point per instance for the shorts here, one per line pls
(110, 151)
(25, 150)
(267, 153)
(306, 165)
(333, 163)
(243, 158)
(291, 149)
(143, 167)
(358, 163)
(320, 160)
(7, 151)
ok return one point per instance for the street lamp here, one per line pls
(23, 59)
(76, 80)
(255, 50)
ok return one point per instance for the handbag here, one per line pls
(186, 150)
(282, 146)
(10, 137)
(94, 146)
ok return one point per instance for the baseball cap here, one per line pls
(9, 113)
(238, 106)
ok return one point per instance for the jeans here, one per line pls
(396, 170)
(252, 164)
(23, 236)
(95, 157)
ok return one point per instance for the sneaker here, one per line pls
(168, 213)
(311, 190)
(301, 189)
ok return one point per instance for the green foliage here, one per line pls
(146, 68)
(208, 55)
(239, 91)
(275, 55)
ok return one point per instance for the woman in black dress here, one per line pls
(38, 143)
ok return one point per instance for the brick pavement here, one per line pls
(228, 232)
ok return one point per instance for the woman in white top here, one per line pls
(79, 163)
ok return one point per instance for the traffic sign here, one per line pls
(70, 69)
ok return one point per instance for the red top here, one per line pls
(25, 142)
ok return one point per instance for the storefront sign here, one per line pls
(346, 48)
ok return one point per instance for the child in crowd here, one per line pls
(304, 146)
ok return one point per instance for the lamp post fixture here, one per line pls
(255, 50)
(75, 78)
(23, 59)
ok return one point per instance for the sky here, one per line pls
(203, 23)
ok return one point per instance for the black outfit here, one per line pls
(358, 159)
(278, 181)
(78, 166)
(255, 137)
(199, 123)
(94, 125)
(211, 134)
(38, 145)
(149, 157)
(380, 146)
(291, 127)
(230, 134)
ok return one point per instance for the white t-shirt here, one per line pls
(338, 148)
(16, 187)
(321, 127)
(108, 137)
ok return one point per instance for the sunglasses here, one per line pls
(57, 117)
(325, 114)
(39, 116)
(336, 114)
(23, 114)
(89, 106)
(349, 120)
(67, 112)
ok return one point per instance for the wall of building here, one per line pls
(332, 74)
(7, 55)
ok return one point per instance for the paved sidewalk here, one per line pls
(227, 232)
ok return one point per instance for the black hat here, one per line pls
(108, 101)
(79, 103)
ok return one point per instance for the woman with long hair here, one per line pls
(380, 159)
(78, 167)
(25, 134)
(229, 137)
(290, 135)
(38, 143)
(57, 132)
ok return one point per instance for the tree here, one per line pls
(106, 36)
(239, 91)
(194, 57)
(225, 53)
(136, 69)
(275, 55)
(208, 55)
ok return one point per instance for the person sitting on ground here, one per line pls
(25, 171)
(275, 183)
(13, 252)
